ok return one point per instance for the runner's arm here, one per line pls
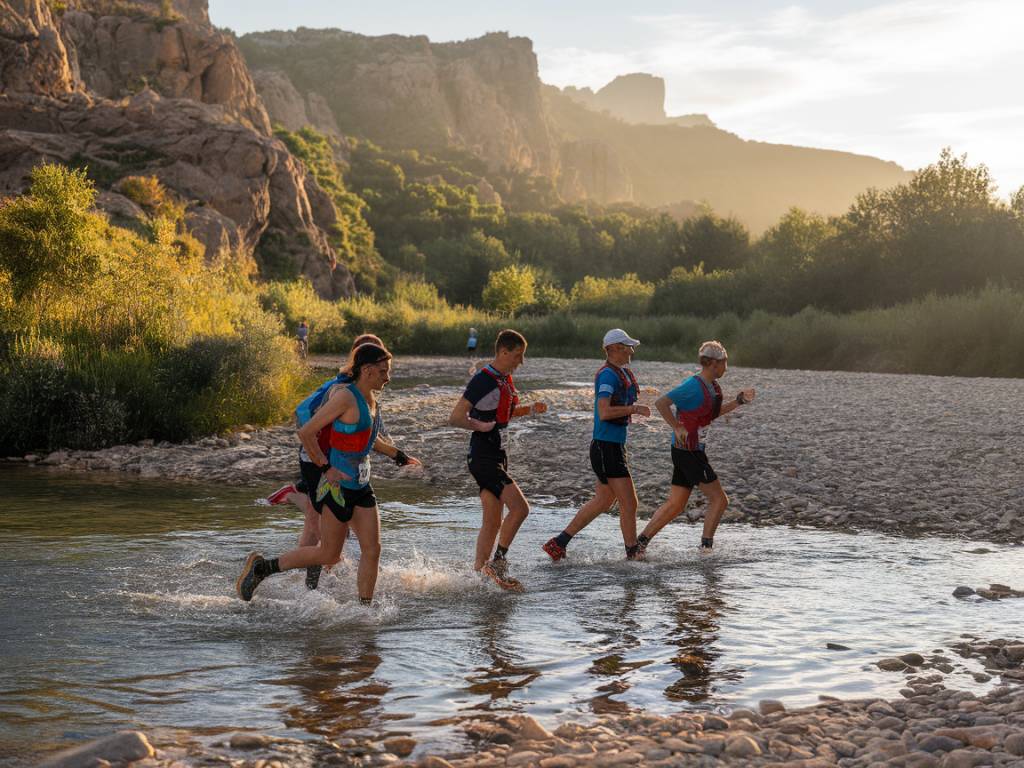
(606, 411)
(335, 408)
(460, 418)
(389, 449)
(734, 403)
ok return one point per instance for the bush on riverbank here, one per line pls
(107, 336)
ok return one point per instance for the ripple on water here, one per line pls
(592, 634)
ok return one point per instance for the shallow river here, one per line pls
(118, 610)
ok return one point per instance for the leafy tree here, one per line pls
(510, 289)
(50, 242)
(620, 296)
(716, 242)
(460, 267)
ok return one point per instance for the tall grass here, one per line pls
(978, 334)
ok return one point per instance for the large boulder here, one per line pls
(179, 56)
(33, 58)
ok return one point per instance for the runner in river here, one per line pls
(615, 395)
(485, 408)
(353, 417)
(302, 492)
(698, 401)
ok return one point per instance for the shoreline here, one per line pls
(930, 727)
(902, 454)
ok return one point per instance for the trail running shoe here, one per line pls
(280, 496)
(248, 580)
(555, 550)
(313, 576)
(498, 571)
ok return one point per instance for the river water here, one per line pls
(118, 610)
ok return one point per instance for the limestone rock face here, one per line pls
(179, 57)
(33, 58)
(241, 187)
(637, 98)
(592, 170)
(205, 137)
(483, 95)
(285, 105)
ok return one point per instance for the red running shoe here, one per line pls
(555, 550)
(280, 496)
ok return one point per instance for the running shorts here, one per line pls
(490, 473)
(608, 460)
(342, 501)
(690, 468)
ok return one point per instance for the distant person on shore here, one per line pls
(615, 395)
(302, 334)
(485, 408)
(471, 343)
(345, 426)
(698, 401)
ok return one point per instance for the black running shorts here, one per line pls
(690, 468)
(344, 507)
(490, 473)
(309, 479)
(608, 460)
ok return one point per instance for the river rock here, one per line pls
(962, 592)
(1014, 744)
(742, 746)
(249, 741)
(965, 758)
(769, 706)
(120, 747)
(891, 665)
(400, 745)
(529, 728)
(912, 659)
(837, 647)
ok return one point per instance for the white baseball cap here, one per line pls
(619, 336)
(713, 350)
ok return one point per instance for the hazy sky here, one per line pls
(897, 80)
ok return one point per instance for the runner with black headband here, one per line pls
(353, 416)
(302, 493)
(485, 408)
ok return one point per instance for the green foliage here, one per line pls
(150, 195)
(718, 243)
(510, 289)
(96, 347)
(352, 237)
(49, 241)
(460, 266)
(626, 296)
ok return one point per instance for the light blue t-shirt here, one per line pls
(688, 396)
(608, 384)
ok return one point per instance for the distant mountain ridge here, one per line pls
(485, 95)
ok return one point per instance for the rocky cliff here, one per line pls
(200, 128)
(483, 95)
(637, 98)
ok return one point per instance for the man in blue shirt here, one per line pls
(698, 401)
(615, 395)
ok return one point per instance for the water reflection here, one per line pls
(695, 632)
(616, 620)
(506, 672)
(338, 692)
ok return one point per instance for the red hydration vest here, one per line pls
(508, 397)
(630, 389)
(695, 420)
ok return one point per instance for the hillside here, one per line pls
(485, 96)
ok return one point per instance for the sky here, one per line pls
(896, 80)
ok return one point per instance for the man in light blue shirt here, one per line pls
(698, 401)
(615, 395)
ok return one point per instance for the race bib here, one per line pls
(364, 470)
(702, 435)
